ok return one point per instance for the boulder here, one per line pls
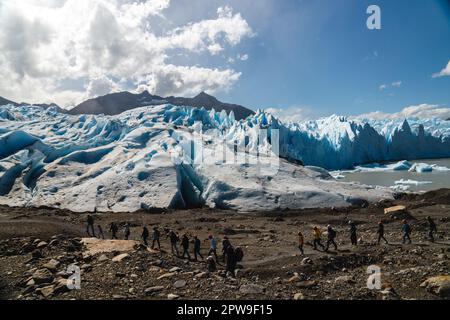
(42, 276)
(121, 257)
(46, 292)
(345, 279)
(41, 245)
(167, 275)
(299, 296)
(152, 290)
(52, 265)
(439, 285)
(172, 296)
(179, 284)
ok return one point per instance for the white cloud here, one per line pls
(243, 57)
(382, 87)
(422, 111)
(108, 45)
(444, 72)
(396, 84)
(294, 114)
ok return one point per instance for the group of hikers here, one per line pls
(230, 255)
(331, 235)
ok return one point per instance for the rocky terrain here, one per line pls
(38, 245)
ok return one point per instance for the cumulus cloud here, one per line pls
(422, 111)
(396, 84)
(108, 45)
(294, 114)
(444, 72)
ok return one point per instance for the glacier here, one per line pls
(146, 158)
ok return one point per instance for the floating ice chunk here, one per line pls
(421, 168)
(412, 182)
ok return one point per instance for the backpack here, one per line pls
(239, 253)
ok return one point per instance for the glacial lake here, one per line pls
(402, 180)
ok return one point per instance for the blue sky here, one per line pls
(312, 56)
(320, 55)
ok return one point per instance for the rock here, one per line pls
(251, 289)
(42, 276)
(36, 254)
(297, 278)
(30, 283)
(175, 269)
(121, 257)
(202, 275)
(103, 258)
(345, 279)
(41, 245)
(179, 284)
(27, 248)
(119, 297)
(152, 290)
(439, 285)
(306, 261)
(61, 286)
(172, 296)
(306, 284)
(46, 292)
(52, 265)
(120, 275)
(167, 275)
(299, 296)
(86, 267)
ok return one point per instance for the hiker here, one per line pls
(156, 236)
(185, 246)
(211, 264)
(231, 261)
(353, 235)
(431, 228)
(301, 242)
(100, 232)
(90, 226)
(145, 235)
(225, 244)
(330, 238)
(317, 238)
(406, 230)
(113, 229)
(197, 245)
(213, 247)
(174, 242)
(380, 232)
(127, 231)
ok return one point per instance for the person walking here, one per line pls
(301, 242)
(317, 238)
(330, 238)
(380, 232)
(174, 242)
(156, 237)
(145, 235)
(100, 232)
(213, 247)
(353, 233)
(225, 244)
(406, 230)
(127, 231)
(90, 226)
(231, 261)
(185, 246)
(113, 229)
(197, 246)
(431, 228)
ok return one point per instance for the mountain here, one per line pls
(4, 101)
(116, 103)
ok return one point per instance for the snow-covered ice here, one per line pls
(146, 158)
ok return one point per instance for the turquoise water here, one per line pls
(426, 181)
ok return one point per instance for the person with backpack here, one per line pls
(173, 236)
(406, 230)
(113, 229)
(317, 238)
(145, 235)
(353, 234)
(90, 226)
(185, 246)
(431, 228)
(239, 254)
(380, 232)
(301, 242)
(156, 236)
(330, 238)
(197, 246)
